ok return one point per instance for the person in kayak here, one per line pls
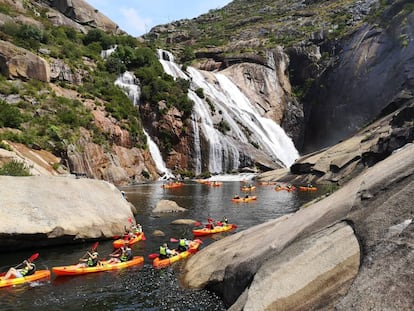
(183, 245)
(165, 252)
(91, 261)
(224, 221)
(121, 255)
(28, 269)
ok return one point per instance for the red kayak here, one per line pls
(122, 242)
(102, 266)
(216, 229)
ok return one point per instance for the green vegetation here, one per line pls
(53, 122)
(14, 168)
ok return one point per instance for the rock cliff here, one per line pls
(373, 66)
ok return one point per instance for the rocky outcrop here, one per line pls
(83, 13)
(347, 159)
(293, 280)
(378, 198)
(38, 162)
(119, 165)
(19, 63)
(168, 206)
(44, 210)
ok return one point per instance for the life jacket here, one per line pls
(92, 262)
(183, 243)
(126, 255)
(28, 270)
(163, 251)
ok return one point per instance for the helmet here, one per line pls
(165, 245)
(95, 253)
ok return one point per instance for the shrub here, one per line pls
(14, 168)
(10, 116)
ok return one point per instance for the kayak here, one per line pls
(173, 185)
(244, 200)
(215, 183)
(102, 266)
(122, 242)
(248, 188)
(301, 188)
(285, 188)
(193, 248)
(38, 275)
(217, 229)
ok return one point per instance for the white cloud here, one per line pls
(134, 24)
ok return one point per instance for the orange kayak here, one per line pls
(122, 242)
(244, 200)
(216, 229)
(248, 188)
(285, 188)
(192, 248)
(102, 266)
(38, 275)
(301, 188)
(173, 185)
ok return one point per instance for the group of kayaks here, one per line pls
(127, 240)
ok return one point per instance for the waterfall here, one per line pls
(107, 53)
(129, 84)
(244, 127)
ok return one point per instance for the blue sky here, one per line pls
(137, 17)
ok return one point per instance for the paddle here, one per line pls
(173, 240)
(197, 223)
(30, 259)
(93, 248)
(153, 255)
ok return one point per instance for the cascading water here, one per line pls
(129, 84)
(242, 127)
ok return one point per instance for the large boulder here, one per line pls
(308, 274)
(84, 14)
(168, 206)
(19, 63)
(45, 210)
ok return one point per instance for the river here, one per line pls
(143, 287)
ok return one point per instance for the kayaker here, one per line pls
(224, 221)
(236, 196)
(183, 245)
(91, 261)
(121, 255)
(28, 269)
(166, 252)
(136, 228)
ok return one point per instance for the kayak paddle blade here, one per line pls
(33, 257)
(153, 256)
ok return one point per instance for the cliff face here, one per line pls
(373, 68)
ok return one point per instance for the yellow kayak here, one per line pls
(102, 266)
(38, 275)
